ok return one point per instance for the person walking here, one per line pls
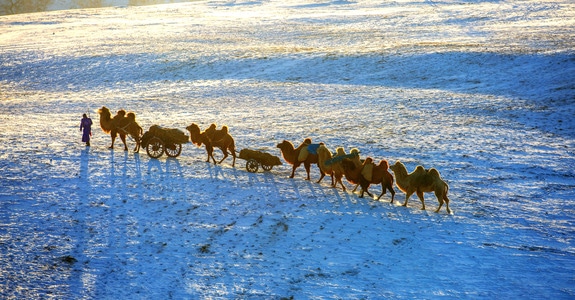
(86, 126)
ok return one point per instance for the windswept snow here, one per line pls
(484, 91)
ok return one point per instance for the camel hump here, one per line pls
(419, 170)
(210, 130)
(339, 151)
(224, 129)
(433, 173)
(131, 116)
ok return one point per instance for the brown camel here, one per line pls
(213, 138)
(121, 124)
(420, 181)
(379, 175)
(293, 155)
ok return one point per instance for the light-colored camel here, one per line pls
(121, 124)
(211, 137)
(420, 181)
(329, 166)
(291, 155)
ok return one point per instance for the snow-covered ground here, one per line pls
(484, 91)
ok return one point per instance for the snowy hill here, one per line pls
(484, 91)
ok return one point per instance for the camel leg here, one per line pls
(338, 179)
(295, 165)
(439, 207)
(355, 188)
(225, 155)
(322, 173)
(407, 195)
(343, 188)
(234, 157)
(320, 178)
(420, 196)
(210, 151)
(366, 189)
(307, 167)
(446, 200)
(384, 189)
(137, 148)
(440, 200)
(113, 135)
(382, 193)
(123, 138)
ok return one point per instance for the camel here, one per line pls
(213, 138)
(330, 166)
(121, 124)
(420, 181)
(379, 175)
(292, 156)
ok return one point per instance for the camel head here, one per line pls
(105, 119)
(194, 130)
(398, 167)
(104, 111)
(285, 145)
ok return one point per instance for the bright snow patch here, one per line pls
(484, 91)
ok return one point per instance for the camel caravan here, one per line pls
(361, 173)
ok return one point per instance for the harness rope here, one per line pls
(126, 132)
